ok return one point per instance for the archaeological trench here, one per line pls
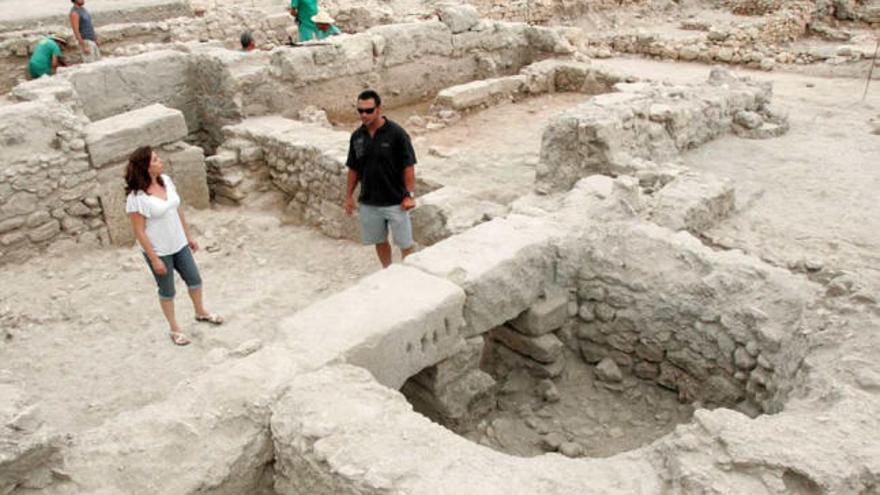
(580, 336)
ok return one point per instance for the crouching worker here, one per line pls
(47, 56)
(324, 27)
(153, 206)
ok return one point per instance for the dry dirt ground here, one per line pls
(81, 332)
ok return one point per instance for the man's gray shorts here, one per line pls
(377, 220)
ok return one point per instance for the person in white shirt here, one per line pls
(161, 230)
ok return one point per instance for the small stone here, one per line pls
(749, 120)
(548, 391)
(571, 449)
(552, 441)
(743, 360)
(752, 348)
(585, 312)
(604, 312)
(608, 371)
(813, 265)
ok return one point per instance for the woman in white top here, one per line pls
(160, 228)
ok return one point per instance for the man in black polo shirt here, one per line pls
(382, 160)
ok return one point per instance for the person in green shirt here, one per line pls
(47, 56)
(324, 25)
(305, 11)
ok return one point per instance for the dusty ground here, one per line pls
(82, 333)
(809, 195)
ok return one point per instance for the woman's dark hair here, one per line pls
(137, 175)
(369, 94)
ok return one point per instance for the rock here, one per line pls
(515, 360)
(545, 349)
(459, 17)
(571, 449)
(551, 442)
(646, 370)
(247, 348)
(452, 368)
(607, 371)
(749, 120)
(468, 396)
(743, 360)
(111, 140)
(29, 452)
(546, 315)
(45, 232)
(548, 391)
(694, 202)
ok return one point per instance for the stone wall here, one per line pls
(713, 326)
(752, 42)
(646, 121)
(47, 186)
(63, 179)
(304, 161)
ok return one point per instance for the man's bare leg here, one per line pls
(384, 251)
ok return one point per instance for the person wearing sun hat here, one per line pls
(305, 11)
(324, 25)
(47, 56)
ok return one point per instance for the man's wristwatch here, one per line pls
(411, 195)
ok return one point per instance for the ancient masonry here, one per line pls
(602, 263)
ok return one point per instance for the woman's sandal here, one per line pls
(179, 338)
(211, 318)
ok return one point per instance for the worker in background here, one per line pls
(47, 56)
(84, 32)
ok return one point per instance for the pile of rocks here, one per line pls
(531, 340)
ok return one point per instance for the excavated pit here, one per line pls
(601, 369)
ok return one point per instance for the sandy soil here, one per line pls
(809, 195)
(82, 332)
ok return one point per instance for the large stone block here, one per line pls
(459, 18)
(111, 140)
(386, 326)
(186, 166)
(503, 265)
(30, 130)
(693, 202)
(111, 191)
(119, 84)
(406, 42)
(342, 56)
(546, 315)
(448, 211)
(450, 369)
(456, 401)
(483, 92)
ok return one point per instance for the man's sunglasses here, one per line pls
(366, 110)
